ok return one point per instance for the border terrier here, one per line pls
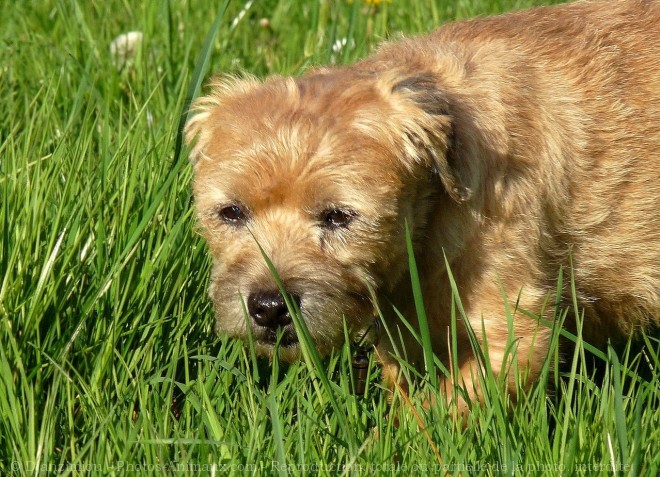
(512, 147)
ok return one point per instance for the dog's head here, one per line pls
(320, 174)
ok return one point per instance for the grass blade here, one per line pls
(422, 319)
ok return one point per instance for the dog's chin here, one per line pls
(284, 338)
(285, 344)
(287, 354)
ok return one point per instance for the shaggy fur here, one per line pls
(511, 145)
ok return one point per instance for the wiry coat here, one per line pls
(511, 145)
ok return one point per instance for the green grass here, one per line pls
(103, 307)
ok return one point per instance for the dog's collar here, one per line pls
(360, 362)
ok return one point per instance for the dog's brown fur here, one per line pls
(510, 145)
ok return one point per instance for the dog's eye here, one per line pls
(337, 218)
(232, 214)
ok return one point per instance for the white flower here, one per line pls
(124, 48)
(341, 43)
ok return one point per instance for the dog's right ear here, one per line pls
(429, 127)
(200, 125)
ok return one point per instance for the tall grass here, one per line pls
(108, 359)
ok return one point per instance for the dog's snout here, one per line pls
(268, 308)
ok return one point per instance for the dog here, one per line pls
(510, 148)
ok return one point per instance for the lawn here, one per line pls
(108, 359)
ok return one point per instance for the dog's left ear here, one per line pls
(429, 130)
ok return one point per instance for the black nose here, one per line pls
(268, 309)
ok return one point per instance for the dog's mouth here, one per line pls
(285, 337)
(273, 326)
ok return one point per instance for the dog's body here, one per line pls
(512, 146)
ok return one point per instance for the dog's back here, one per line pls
(602, 72)
(605, 64)
(559, 108)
